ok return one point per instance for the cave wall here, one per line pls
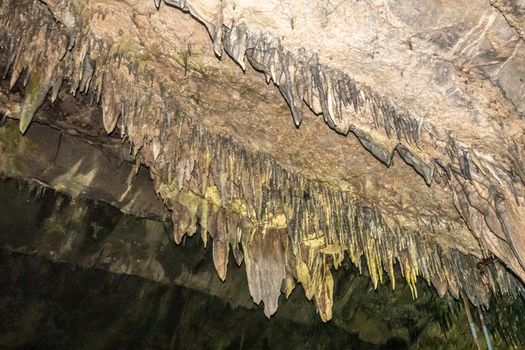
(430, 199)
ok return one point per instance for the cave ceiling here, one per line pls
(286, 134)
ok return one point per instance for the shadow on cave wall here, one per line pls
(59, 306)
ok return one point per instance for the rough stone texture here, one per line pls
(78, 167)
(434, 93)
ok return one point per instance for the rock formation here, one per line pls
(404, 150)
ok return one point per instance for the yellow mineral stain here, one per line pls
(213, 196)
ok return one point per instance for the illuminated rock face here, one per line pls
(421, 164)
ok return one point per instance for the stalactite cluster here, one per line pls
(490, 192)
(285, 227)
(294, 229)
